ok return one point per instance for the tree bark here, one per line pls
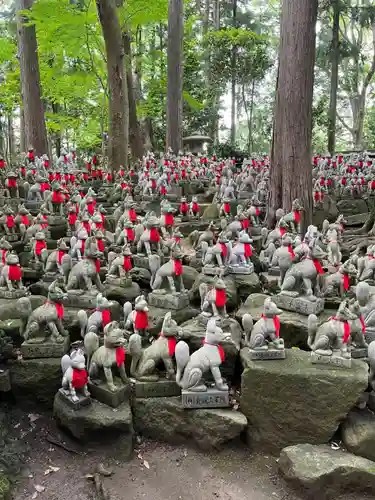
(22, 132)
(57, 135)
(335, 55)
(293, 118)
(175, 70)
(34, 122)
(233, 82)
(11, 149)
(134, 128)
(118, 92)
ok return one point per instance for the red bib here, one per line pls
(276, 324)
(248, 250)
(177, 267)
(15, 272)
(297, 216)
(141, 320)
(72, 218)
(12, 183)
(221, 298)
(169, 219)
(195, 207)
(57, 197)
(59, 308)
(172, 342)
(220, 350)
(132, 215)
(97, 265)
(245, 223)
(224, 249)
(100, 245)
(3, 254)
(290, 250)
(184, 208)
(346, 282)
(80, 378)
(154, 235)
(282, 231)
(10, 221)
(39, 246)
(226, 208)
(90, 208)
(106, 317)
(130, 234)
(127, 264)
(318, 267)
(60, 255)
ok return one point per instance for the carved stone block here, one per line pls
(214, 270)
(46, 349)
(292, 301)
(359, 352)
(159, 298)
(267, 354)
(56, 220)
(99, 390)
(81, 299)
(318, 359)
(212, 398)
(12, 294)
(160, 389)
(116, 281)
(241, 269)
(76, 405)
(274, 271)
(12, 237)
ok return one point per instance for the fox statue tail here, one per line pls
(82, 320)
(312, 328)
(182, 354)
(135, 350)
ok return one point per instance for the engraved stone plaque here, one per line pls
(359, 352)
(160, 389)
(159, 298)
(214, 270)
(212, 398)
(267, 354)
(318, 359)
(45, 349)
(100, 391)
(302, 305)
(242, 269)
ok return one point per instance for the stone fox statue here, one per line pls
(170, 270)
(86, 271)
(75, 376)
(103, 359)
(145, 361)
(59, 260)
(46, 320)
(266, 331)
(191, 368)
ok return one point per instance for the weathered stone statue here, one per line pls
(97, 320)
(263, 339)
(339, 282)
(293, 219)
(366, 303)
(242, 251)
(11, 185)
(78, 244)
(282, 258)
(44, 326)
(137, 319)
(11, 285)
(194, 208)
(214, 299)
(58, 262)
(119, 267)
(86, 271)
(39, 252)
(215, 258)
(192, 368)
(55, 200)
(75, 378)
(150, 238)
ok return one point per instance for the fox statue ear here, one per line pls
(167, 319)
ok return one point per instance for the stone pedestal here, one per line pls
(240, 269)
(5, 384)
(164, 300)
(57, 220)
(212, 398)
(116, 281)
(334, 360)
(359, 352)
(81, 299)
(292, 301)
(12, 294)
(160, 389)
(274, 271)
(76, 405)
(47, 349)
(99, 390)
(266, 354)
(50, 277)
(214, 270)
(12, 237)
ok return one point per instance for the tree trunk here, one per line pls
(118, 92)
(35, 126)
(11, 149)
(293, 118)
(134, 129)
(216, 98)
(233, 82)
(22, 132)
(175, 69)
(57, 135)
(335, 56)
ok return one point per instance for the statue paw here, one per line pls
(222, 387)
(86, 393)
(112, 387)
(75, 398)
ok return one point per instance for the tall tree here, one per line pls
(174, 77)
(291, 156)
(335, 56)
(233, 81)
(118, 92)
(33, 112)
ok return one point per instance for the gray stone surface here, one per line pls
(122, 294)
(229, 280)
(47, 349)
(169, 301)
(298, 304)
(212, 398)
(98, 423)
(5, 384)
(211, 212)
(160, 389)
(324, 473)
(35, 381)
(166, 419)
(352, 206)
(334, 360)
(267, 354)
(246, 284)
(156, 317)
(293, 401)
(241, 269)
(81, 299)
(358, 433)
(76, 405)
(114, 399)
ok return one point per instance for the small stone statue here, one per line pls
(98, 320)
(293, 219)
(137, 319)
(192, 368)
(145, 361)
(366, 303)
(150, 238)
(86, 271)
(225, 208)
(11, 275)
(263, 338)
(282, 257)
(170, 270)
(119, 267)
(194, 208)
(59, 261)
(242, 252)
(75, 376)
(39, 250)
(78, 244)
(11, 185)
(339, 282)
(214, 299)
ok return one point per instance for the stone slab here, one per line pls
(12, 237)
(318, 359)
(160, 389)
(45, 350)
(274, 271)
(212, 398)
(359, 352)
(298, 304)
(241, 269)
(76, 405)
(116, 281)
(14, 294)
(5, 384)
(114, 399)
(85, 300)
(267, 354)
(168, 300)
(214, 270)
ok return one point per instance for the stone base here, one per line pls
(241, 269)
(56, 220)
(267, 354)
(81, 299)
(76, 405)
(212, 398)
(255, 230)
(36, 266)
(50, 277)
(203, 319)
(159, 298)
(214, 270)
(46, 349)
(291, 301)
(318, 359)
(101, 392)
(11, 238)
(5, 384)
(359, 352)
(115, 281)
(160, 389)
(274, 271)
(14, 294)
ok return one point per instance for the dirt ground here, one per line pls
(156, 471)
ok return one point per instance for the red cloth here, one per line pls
(12, 183)
(221, 298)
(318, 267)
(220, 350)
(163, 190)
(10, 221)
(31, 156)
(72, 218)
(346, 336)
(346, 282)
(343, 181)
(257, 211)
(90, 208)
(3, 254)
(248, 250)
(141, 320)
(297, 216)
(276, 324)
(184, 208)
(2, 163)
(25, 220)
(94, 160)
(57, 197)
(15, 272)
(106, 316)
(169, 219)
(80, 378)
(177, 267)
(39, 246)
(224, 249)
(120, 356)
(82, 249)
(130, 234)
(227, 208)
(100, 245)
(87, 226)
(154, 235)
(195, 207)
(316, 195)
(60, 255)
(97, 265)
(245, 223)
(132, 215)
(290, 250)
(99, 225)
(127, 263)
